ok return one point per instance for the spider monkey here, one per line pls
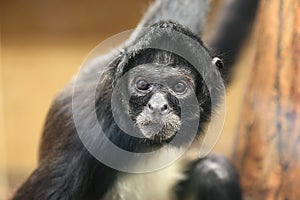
(157, 82)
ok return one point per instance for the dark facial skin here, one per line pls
(156, 91)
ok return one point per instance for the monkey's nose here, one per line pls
(158, 108)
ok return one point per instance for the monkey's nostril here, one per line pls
(164, 108)
(150, 107)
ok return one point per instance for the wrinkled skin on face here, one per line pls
(156, 91)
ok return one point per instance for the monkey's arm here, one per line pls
(213, 178)
(66, 169)
(189, 13)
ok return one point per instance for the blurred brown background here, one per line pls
(43, 44)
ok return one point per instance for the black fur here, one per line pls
(189, 13)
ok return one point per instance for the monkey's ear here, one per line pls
(218, 63)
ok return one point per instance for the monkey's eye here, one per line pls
(180, 87)
(142, 85)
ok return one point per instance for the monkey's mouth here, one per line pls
(158, 132)
(158, 129)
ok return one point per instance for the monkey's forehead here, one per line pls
(161, 71)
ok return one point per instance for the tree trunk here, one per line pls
(267, 153)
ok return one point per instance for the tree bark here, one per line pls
(267, 153)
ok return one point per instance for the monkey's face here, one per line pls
(156, 92)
